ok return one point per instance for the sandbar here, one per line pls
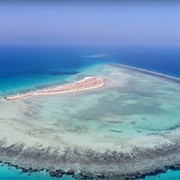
(85, 84)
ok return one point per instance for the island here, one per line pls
(127, 127)
(85, 84)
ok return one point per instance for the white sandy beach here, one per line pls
(86, 84)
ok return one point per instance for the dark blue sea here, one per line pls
(25, 68)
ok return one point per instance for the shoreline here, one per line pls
(141, 70)
(85, 84)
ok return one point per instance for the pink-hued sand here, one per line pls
(85, 84)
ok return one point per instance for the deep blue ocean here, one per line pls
(24, 68)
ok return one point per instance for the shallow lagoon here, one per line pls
(134, 110)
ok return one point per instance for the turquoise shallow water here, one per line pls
(165, 176)
(57, 67)
(9, 173)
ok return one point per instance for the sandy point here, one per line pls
(85, 84)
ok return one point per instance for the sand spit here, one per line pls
(85, 84)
